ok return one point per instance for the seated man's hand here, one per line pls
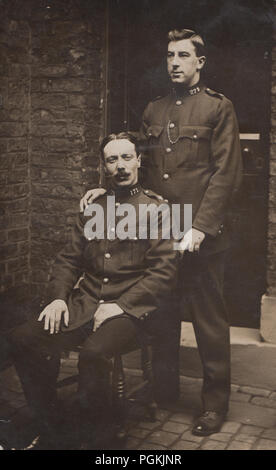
(91, 196)
(105, 311)
(52, 315)
(191, 241)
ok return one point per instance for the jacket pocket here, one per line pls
(193, 147)
(154, 146)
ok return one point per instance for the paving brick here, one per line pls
(240, 397)
(188, 436)
(230, 426)
(149, 424)
(138, 433)
(184, 381)
(222, 436)
(74, 355)
(162, 438)
(70, 363)
(161, 415)
(213, 445)
(236, 445)
(259, 392)
(151, 446)
(132, 443)
(245, 438)
(266, 402)
(266, 444)
(182, 418)
(270, 434)
(185, 445)
(253, 415)
(251, 430)
(18, 402)
(235, 388)
(177, 428)
(10, 396)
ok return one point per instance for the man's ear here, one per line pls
(139, 160)
(201, 62)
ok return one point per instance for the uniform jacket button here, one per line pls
(168, 149)
(107, 255)
(172, 125)
(105, 280)
(178, 102)
(166, 176)
(101, 301)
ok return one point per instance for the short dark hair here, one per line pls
(121, 135)
(196, 39)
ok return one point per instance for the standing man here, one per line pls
(192, 156)
(125, 283)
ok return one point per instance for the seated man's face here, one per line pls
(121, 162)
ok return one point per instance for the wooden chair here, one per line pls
(141, 394)
(123, 399)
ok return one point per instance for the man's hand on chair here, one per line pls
(90, 196)
(52, 315)
(105, 311)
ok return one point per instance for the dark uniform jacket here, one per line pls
(136, 274)
(193, 157)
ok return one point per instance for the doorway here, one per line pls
(238, 34)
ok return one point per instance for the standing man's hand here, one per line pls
(91, 196)
(105, 311)
(191, 241)
(52, 315)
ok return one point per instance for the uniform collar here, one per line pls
(122, 193)
(181, 91)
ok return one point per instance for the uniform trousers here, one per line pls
(36, 356)
(201, 294)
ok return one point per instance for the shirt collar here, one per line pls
(181, 91)
(125, 192)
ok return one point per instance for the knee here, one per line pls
(93, 357)
(20, 337)
(91, 353)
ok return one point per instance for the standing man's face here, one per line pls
(121, 162)
(183, 64)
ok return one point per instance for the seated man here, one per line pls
(124, 283)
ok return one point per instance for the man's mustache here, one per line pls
(119, 174)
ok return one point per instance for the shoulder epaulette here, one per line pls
(152, 194)
(214, 93)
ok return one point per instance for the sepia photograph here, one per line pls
(138, 227)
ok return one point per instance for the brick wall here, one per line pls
(51, 122)
(14, 149)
